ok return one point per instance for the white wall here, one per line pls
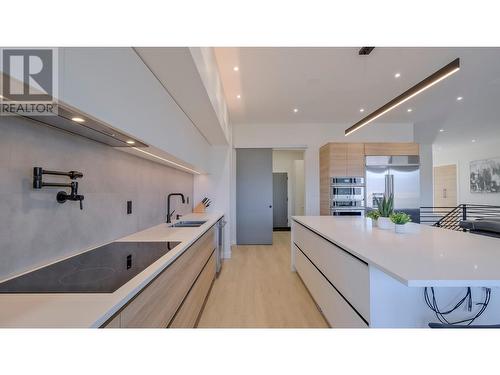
(283, 161)
(312, 137)
(204, 59)
(216, 186)
(114, 85)
(461, 155)
(426, 176)
(299, 187)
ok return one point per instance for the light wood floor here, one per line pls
(257, 289)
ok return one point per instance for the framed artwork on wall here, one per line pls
(485, 176)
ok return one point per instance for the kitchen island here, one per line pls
(363, 276)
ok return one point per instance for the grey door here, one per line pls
(280, 200)
(254, 196)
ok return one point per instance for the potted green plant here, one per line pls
(374, 215)
(400, 219)
(385, 209)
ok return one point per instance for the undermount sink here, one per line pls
(188, 224)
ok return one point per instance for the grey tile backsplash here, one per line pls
(35, 229)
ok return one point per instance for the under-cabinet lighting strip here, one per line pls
(166, 160)
(423, 85)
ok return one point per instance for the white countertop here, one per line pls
(425, 256)
(80, 310)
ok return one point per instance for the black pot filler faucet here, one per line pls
(62, 196)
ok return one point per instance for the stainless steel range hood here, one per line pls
(90, 127)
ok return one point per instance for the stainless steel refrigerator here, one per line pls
(397, 175)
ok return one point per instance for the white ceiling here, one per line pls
(330, 85)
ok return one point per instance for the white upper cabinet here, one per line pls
(114, 85)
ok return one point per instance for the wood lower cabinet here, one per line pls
(157, 303)
(188, 313)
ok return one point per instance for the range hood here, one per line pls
(74, 121)
(90, 127)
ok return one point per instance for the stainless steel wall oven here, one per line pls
(347, 196)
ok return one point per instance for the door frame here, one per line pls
(308, 201)
(287, 226)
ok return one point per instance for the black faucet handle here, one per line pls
(62, 197)
(75, 174)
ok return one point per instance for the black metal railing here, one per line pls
(450, 217)
(431, 215)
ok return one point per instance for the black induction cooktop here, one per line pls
(101, 270)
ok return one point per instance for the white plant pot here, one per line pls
(385, 223)
(374, 222)
(400, 228)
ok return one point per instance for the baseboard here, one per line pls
(281, 229)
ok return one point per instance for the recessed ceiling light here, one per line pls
(473, 141)
(361, 109)
(236, 68)
(459, 98)
(441, 130)
(238, 96)
(77, 119)
(131, 142)
(397, 75)
(409, 110)
(295, 110)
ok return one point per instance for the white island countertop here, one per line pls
(82, 310)
(425, 256)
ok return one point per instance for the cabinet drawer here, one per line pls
(335, 309)
(155, 306)
(347, 273)
(188, 313)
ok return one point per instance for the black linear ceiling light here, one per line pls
(430, 81)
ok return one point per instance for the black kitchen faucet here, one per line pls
(169, 214)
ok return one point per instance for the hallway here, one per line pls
(256, 289)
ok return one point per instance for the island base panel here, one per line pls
(337, 312)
